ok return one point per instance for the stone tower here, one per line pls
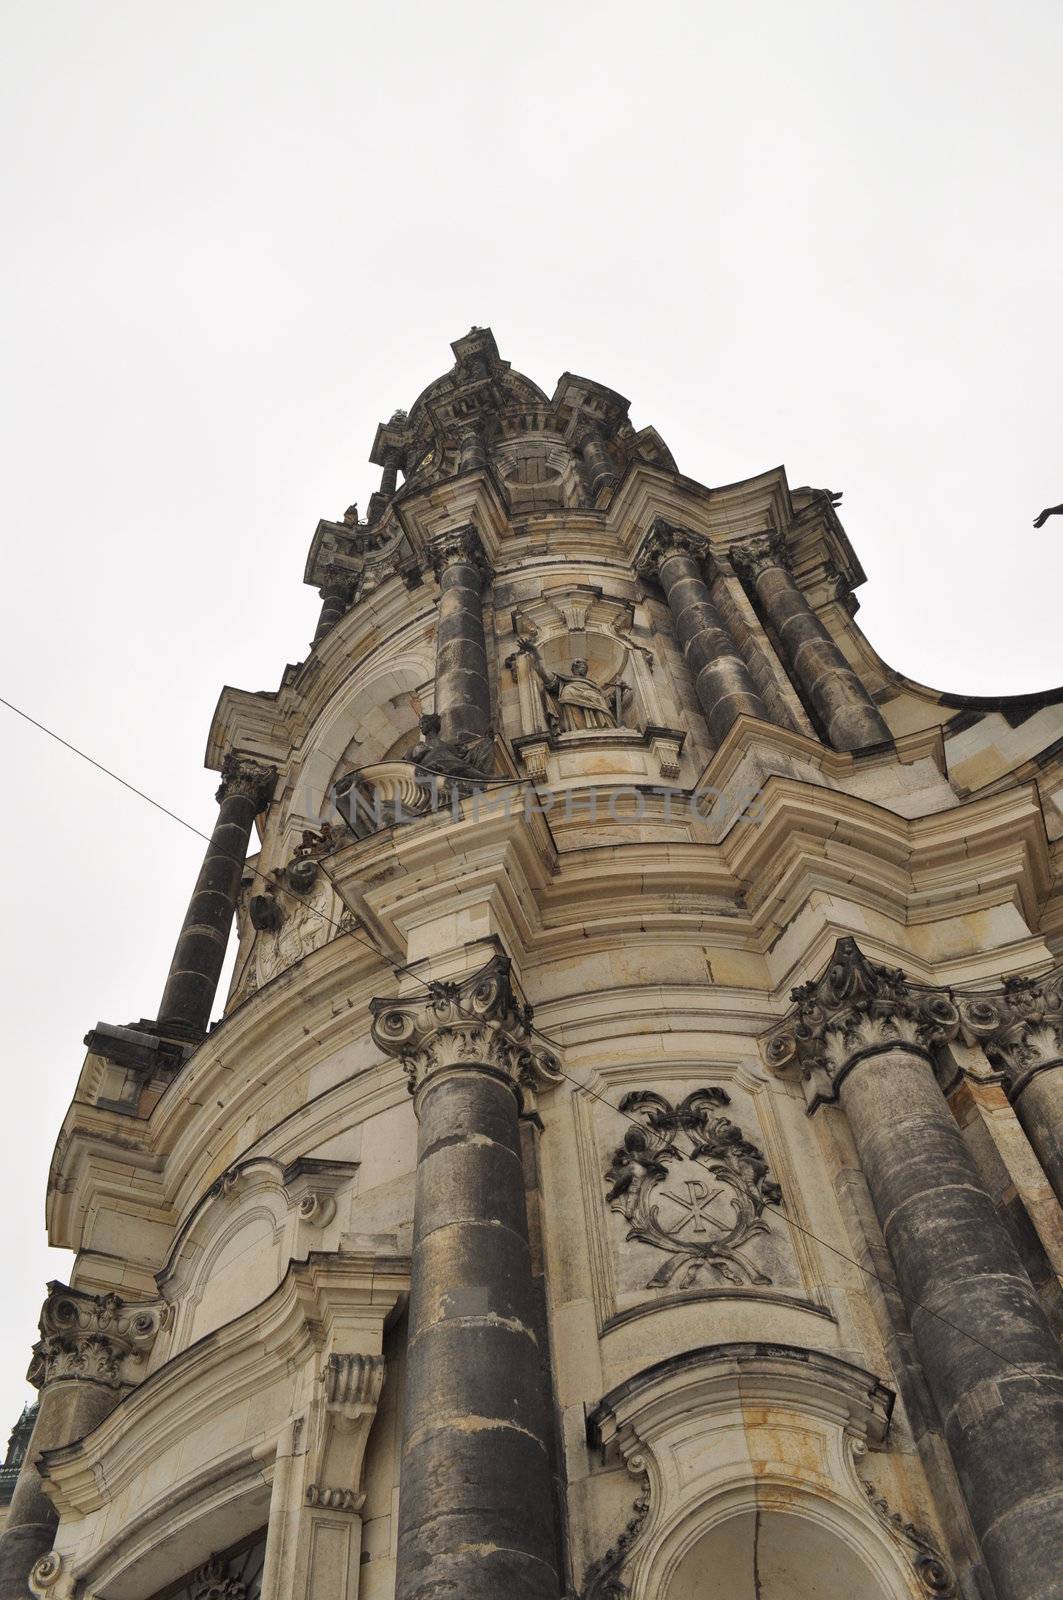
(629, 1160)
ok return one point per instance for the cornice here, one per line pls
(506, 875)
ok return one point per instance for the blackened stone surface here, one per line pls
(476, 1515)
(993, 1365)
(1039, 1107)
(722, 681)
(67, 1412)
(840, 699)
(197, 962)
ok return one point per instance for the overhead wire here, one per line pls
(432, 987)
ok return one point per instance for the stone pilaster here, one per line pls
(843, 705)
(993, 1366)
(389, 473)
(475, 1504)
(722, 681)
(246, 789)
(91, 1351)
(463, 694)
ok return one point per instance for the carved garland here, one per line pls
(701, 1227)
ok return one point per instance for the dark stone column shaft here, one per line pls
(1038, 1102)
(844, 706)
(992, 1363)
(473, 455)
(67, 1412)
(598, 468)
(475, 1509)
(722, 681)
(335, 602)
(197, 961)
(389, 475)
(463, 693)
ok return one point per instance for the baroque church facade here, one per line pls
(629, 1161)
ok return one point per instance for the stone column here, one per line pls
(722, 681)
(473, 456)
(475, 1502)
(597, 466)
(844, 706)
(1021, 1030)
(246, 789)
(337, 595)
(463, 694)
(389, 473)
(91, 1350)
(993, 1365)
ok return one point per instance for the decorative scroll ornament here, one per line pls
(859, 1008)
(241, 776)
(96, 1338)
(45, 1573)
(602, 1580)
(933, 1571)
(690, 1183)
(478, 1021)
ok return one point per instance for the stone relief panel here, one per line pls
(691, 1186)
(688, 1191)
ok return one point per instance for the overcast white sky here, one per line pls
(240, 234)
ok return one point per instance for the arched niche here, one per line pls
(235, 1246)
(749, 1456)
(372, 714)
(768, 1552)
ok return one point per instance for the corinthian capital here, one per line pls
(477, 1023)
(665, 539)
(756, 555)
(458, 544)
(240, 775)
(1020, 1026)
(94, 1338)
(856, 1009)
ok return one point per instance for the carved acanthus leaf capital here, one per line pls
(757, 555)
(478, 1022)
(855, 1008)
(240, 775)
(93, 1338)
(458, 544)
(859, 1006)
(665, 539)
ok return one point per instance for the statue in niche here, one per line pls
(470, 755)
(575, 702)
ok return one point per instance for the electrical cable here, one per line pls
(432, 988)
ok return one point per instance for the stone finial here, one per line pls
(752, 557)
(663, 539)
(476, 1022)
(240, 775)
(95, 1338)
